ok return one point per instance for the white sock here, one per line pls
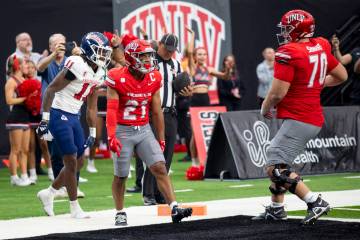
(74, 206)
(50, 171)
(24, 176)
(52, 190)
(310, 197)
(14, 177)
(32, 172)
(277, 204)
(173, 204)
(120, 211)
(194, 161)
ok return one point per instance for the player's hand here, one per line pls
(116, 39)
(115, 145)
(162, 145)
(186, 91)
(266, 114)
(143, 34)
(335, 42)
(89, 142)
(43, 128)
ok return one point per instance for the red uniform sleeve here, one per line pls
(111, 78)
(283, 66)
(111, 116)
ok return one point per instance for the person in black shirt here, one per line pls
(230, 91)
(353, 60)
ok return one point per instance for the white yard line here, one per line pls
(348, 209)
(241, 186)
(126, 195)
(184, 190)
(352, 177)
(146, 215)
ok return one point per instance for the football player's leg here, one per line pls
(64, 138)
(292, 139)
(148, 149)
(288, 143)
(91, 162)
(122, 165)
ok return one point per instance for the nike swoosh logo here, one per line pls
(277, 212)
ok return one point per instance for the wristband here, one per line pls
(46, 116)
(114, 47)
(92, 132)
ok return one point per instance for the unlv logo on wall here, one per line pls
(172, 17)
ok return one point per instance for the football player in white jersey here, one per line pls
(61, 106)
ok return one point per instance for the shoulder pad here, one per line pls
(76, 65)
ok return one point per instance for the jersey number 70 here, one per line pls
(315, 59)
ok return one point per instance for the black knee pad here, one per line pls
(281, 177)
(277, 190)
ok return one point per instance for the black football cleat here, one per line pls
(272, 213)
(177, 213)
(315, 210)
(121, 219)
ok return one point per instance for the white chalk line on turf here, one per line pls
(241, 186)
(126, 195)
(184, 190)
(348, 209)
(353, 177)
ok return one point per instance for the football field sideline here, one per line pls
(147, 215)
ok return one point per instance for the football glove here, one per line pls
(43, 128)
(162, 145)
(115, 145)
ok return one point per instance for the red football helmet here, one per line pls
(294, 25)
(133, 52)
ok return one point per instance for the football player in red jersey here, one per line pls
(132, 92)
(303, 66)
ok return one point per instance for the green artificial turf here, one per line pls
(341, 212)
(16, 202)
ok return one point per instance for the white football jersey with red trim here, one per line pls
(71, 98)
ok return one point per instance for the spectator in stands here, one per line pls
(17, 121)
(230, 91)
(48, 68)
(34, 140)
(264, 72)
(24, 47)
(351, 59)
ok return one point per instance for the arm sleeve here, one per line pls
(283, 72)
(110, 78)
(283, 69)
(111, 116)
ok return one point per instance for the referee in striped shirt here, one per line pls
(169, 68)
